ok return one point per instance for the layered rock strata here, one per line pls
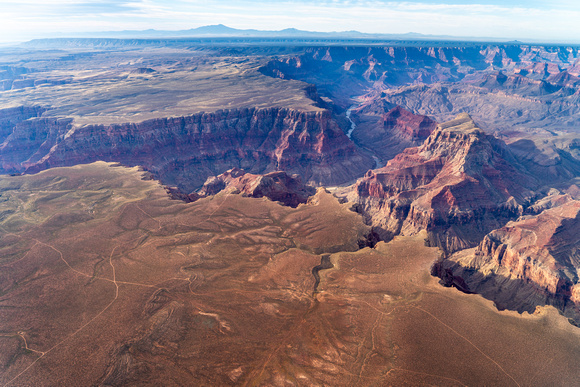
(388, 132)
(458, 185)
(532, 261)
(184, 151)
(277, 186)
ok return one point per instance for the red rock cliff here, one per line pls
(532, 261)
(184, 151)
(277, 186)
(459, 185)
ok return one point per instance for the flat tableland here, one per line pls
(104, 280)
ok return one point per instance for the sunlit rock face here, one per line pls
(184, 151)
(529, 262)
(277, 186)
(459, 185)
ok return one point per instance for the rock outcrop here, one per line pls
(185, 151)
(459, 185)
(357, 68)
(388, 131)
(410, 126)
(532, 261)
(277, 186)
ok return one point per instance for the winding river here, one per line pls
(378, 163)
(352, 124)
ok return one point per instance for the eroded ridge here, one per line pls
(222, 287)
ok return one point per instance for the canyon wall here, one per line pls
(184, 151)
(388, 133)
(529, 262)
(458, 185)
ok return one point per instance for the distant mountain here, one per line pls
(220, 30)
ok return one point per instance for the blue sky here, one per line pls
(557, 20)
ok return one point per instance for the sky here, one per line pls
(549, 21)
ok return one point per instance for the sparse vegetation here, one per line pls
(222, 288)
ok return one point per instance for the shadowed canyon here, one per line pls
(200, 212)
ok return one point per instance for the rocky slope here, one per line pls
(529, 262)
(407, 125)
(347, 71)
(387, 134)
(458, 185)
(277, 186)
(498, 100)
(184, 151)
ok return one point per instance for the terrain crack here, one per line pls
(324, 264)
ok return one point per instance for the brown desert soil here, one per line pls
(106, 281)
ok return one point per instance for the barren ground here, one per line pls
(105, 280)
(133, 85)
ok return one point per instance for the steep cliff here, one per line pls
(532, 261)
(184, 151)
(459, 185)
(357, 68)
(277, 186)
(11, 117)
(407, 125)
(388, 131)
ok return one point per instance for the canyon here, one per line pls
(457, 184)
(529, 262)
(185, 151)
(255, 214)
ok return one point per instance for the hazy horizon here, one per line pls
(554, 21)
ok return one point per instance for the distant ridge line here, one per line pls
(222, 31)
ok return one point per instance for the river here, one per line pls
(378, 163)
(352, 124)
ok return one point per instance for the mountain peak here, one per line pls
(214, 29)
(462, 123)
(458, 185)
